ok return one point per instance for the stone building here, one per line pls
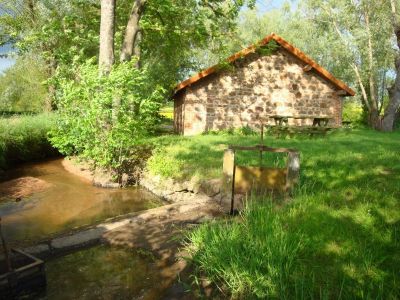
(285, 82)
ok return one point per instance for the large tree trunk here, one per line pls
(132, 33)
(394, 101)
(106, 55)
(394, 91)
(50, 103)
(374, 120)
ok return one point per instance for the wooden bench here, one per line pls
(346, 124)
(317, 120)
(293, 130)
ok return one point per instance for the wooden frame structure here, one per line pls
(27, 274)
(265, 177)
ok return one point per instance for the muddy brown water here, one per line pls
(105, 273)
(64, 202)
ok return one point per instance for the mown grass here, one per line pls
(168, 111)
(338, 238)
(24, 138)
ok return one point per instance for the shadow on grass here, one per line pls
(345, 212)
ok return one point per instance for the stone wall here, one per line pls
(258, 87)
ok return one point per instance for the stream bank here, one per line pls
(157, 231)
(41, 199)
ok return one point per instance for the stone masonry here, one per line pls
(257, 87)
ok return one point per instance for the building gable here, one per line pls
(309, 65)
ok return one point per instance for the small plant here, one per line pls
(246, 130)
(225, 66)
(267, 49)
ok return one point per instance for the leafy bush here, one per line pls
(24, 138)
(353, 111)
(102, 118)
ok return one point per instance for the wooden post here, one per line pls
(6, 252)
(229, 162)
(262, 142)
(229, 171)
(233, 190)
(293, 170)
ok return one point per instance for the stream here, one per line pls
(42, 199)
(57, 201)
(103, 272)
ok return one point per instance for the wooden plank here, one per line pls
(259, 179)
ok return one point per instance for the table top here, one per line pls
(300, 117)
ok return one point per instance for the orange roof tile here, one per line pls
(251, 49)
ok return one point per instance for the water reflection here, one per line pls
(66, 202)
(104, 273)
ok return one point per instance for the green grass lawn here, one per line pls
(24, 138)
(338, 238)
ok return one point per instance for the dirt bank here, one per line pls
(98, 178)
(17, 189)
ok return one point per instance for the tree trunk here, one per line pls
(132, 31)
(371, 77)
(31, 10)
(394, 101)
(51, 63)
(394, 91)
(374, 121)
(107, 24)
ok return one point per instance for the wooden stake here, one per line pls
(6, 253)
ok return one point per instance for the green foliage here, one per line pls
(21, 86)
(246, 130)
(268, 49)
(339, 233)
(353, 112)
(225, 65)
(66, 32)
(24, 138)
(101, 118)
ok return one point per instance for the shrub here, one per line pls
(101, 118)
(353, 111)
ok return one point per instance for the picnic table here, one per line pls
(318, 121)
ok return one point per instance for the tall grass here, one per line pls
(300, 251)
(256, 255)
(24, 138)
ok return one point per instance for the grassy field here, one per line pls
(339, 237)
(24, 138)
